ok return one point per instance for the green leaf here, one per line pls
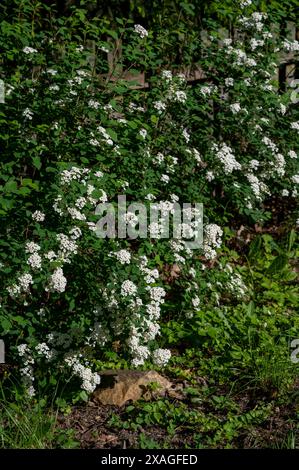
(278, 264)
(37, 162)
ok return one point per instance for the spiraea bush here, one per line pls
(75, 133)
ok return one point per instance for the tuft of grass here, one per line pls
(29, 424)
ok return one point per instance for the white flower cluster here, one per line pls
(235, 283)
(35, 261)
(140, 30)
(99, 335)
(44, 350)
(254, 21)
(159, 106)
(240, 57)
(75, 233)
(128, 288)
(57, 281)
(27, 369)
(38, 216)
(255, 43)
(139, 352)
(123, 256)
(28, 114)
(157, 294)
(161, 357)
(105, 135)
(292, 154)
(166, 75)
(245, 3)
(179, 96)
(29, 50)
(74, 174)
(151, 275)
(93, 104)
(235, 108)
(258, 187)
(89, 379)
(278, 163)
(67, 246)
(225, 155)
(212, 240)
(229, 82)
(290, 46)
(207, 90)
(195, 301)
(23, 285)
(32, 247)
(143, 133)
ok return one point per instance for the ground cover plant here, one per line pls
(213, 124)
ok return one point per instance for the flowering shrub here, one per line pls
(75, 135)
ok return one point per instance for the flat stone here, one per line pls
(120, 386)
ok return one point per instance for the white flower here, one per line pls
(292, 154)
(30, 391)
(245, 3)
(44, 350)
(167, 75)
(295, 125)
(123, 256)
(207, 90)
(285, 193)
(128, 288)
(75, 214)
(161, 357)
(38, 216)
(195, 301)
(28, 114)
(22, 349)
(165, 178)
(51, 71)
(180, 96)
(75, 233)
(235, 108)
(25, 280)
(35, 261)
(210, 176)
(29, 50)
(150, 197)
(254, 43)
(140, 30)
(58, 281)
(31, 247)
(159, 106)
(229, 82)
(50, 255)
(93, 104)
(186, 135)
(291, 46)
(295, 179)
(80, 202)
(283, 109)
(254, 164)
(89, 379)
(226, 157)
(157, 294)
(143, 133)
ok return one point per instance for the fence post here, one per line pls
(2, 352)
